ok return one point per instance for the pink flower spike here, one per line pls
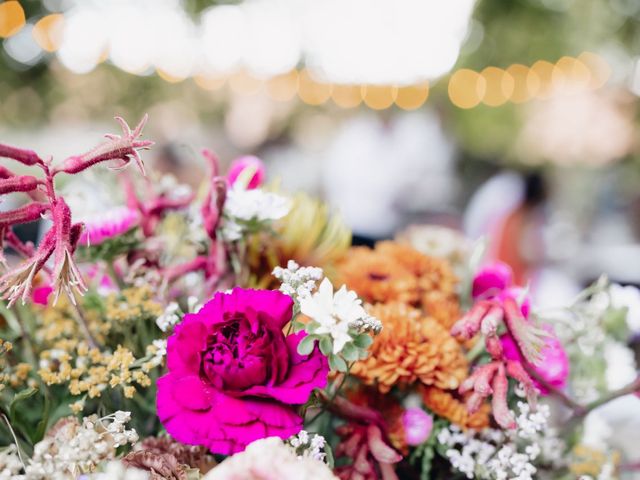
(18, 183)
(491, 280)
(529, 338)
(66, 275)
(245, 166)
(212, 160)
(24, 156)
(26, 214)
(470, 323)
(417, 426)
(120, 148)
(17, 283)
(501, 411)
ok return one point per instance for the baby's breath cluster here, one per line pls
(169, 318)
(504, 455)
(71, 448)
(309, 445)
(297, 282)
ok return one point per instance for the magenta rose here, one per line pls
(233, 376)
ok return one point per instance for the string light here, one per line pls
(12, 18)
(47, 32)
(413, 96)
(312, 92)
(347, 96)
(379, 97)
(499, 86)
(466, 88)
(283, 87)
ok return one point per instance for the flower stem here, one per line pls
(84, 326)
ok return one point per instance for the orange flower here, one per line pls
(377, 278)
(411, 348)
(444, 404)
(396, 272)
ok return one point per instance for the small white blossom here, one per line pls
(307, 445)
(169, 317)
(334, 313)
(243, 207)
(505, 455)
(297, 282)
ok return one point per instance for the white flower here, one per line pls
(629, 298)
(245, 206)
(169, 317)
(270, 458)
(297, 281)
(333, 313)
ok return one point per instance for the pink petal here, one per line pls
(306, 373)
(492, 279)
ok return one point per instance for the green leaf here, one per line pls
(297, 326)
(350, 353)
(42, 424)
(337, 363)
(363, 340)
(329, 458)
(20, 397)
(326, 345)
(305, 347)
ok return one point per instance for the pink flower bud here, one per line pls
(491, 280)
(241, 164)
(40, 295)
(417, 426)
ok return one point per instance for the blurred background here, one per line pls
(515, 120)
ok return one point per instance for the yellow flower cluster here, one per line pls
(89, 371)
(12, 375)
(132, 304)
(58, 326)
(588, 461)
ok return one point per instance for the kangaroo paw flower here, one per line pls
(119, 148)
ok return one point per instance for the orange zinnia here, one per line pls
(411, 348)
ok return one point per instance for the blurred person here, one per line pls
(378, 171)
(510, 211)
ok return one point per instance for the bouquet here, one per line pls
(234, 333)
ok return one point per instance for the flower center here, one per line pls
(235, 359)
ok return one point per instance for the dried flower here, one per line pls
(163, 466)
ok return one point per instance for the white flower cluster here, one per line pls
(169, 317)
(157, 350)
(298, 282)
(367, 324)
(72, 449)
(504, 455)
(245, 210)
(307, 445)
(10, 464)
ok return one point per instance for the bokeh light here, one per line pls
(466, 88)
(12, 18)
(379, 97)
(413, 96)
(47, 32)
(312, 92)
(347, 96)
(283, 87)
(499, 86)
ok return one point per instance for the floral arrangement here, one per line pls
(234, 333)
